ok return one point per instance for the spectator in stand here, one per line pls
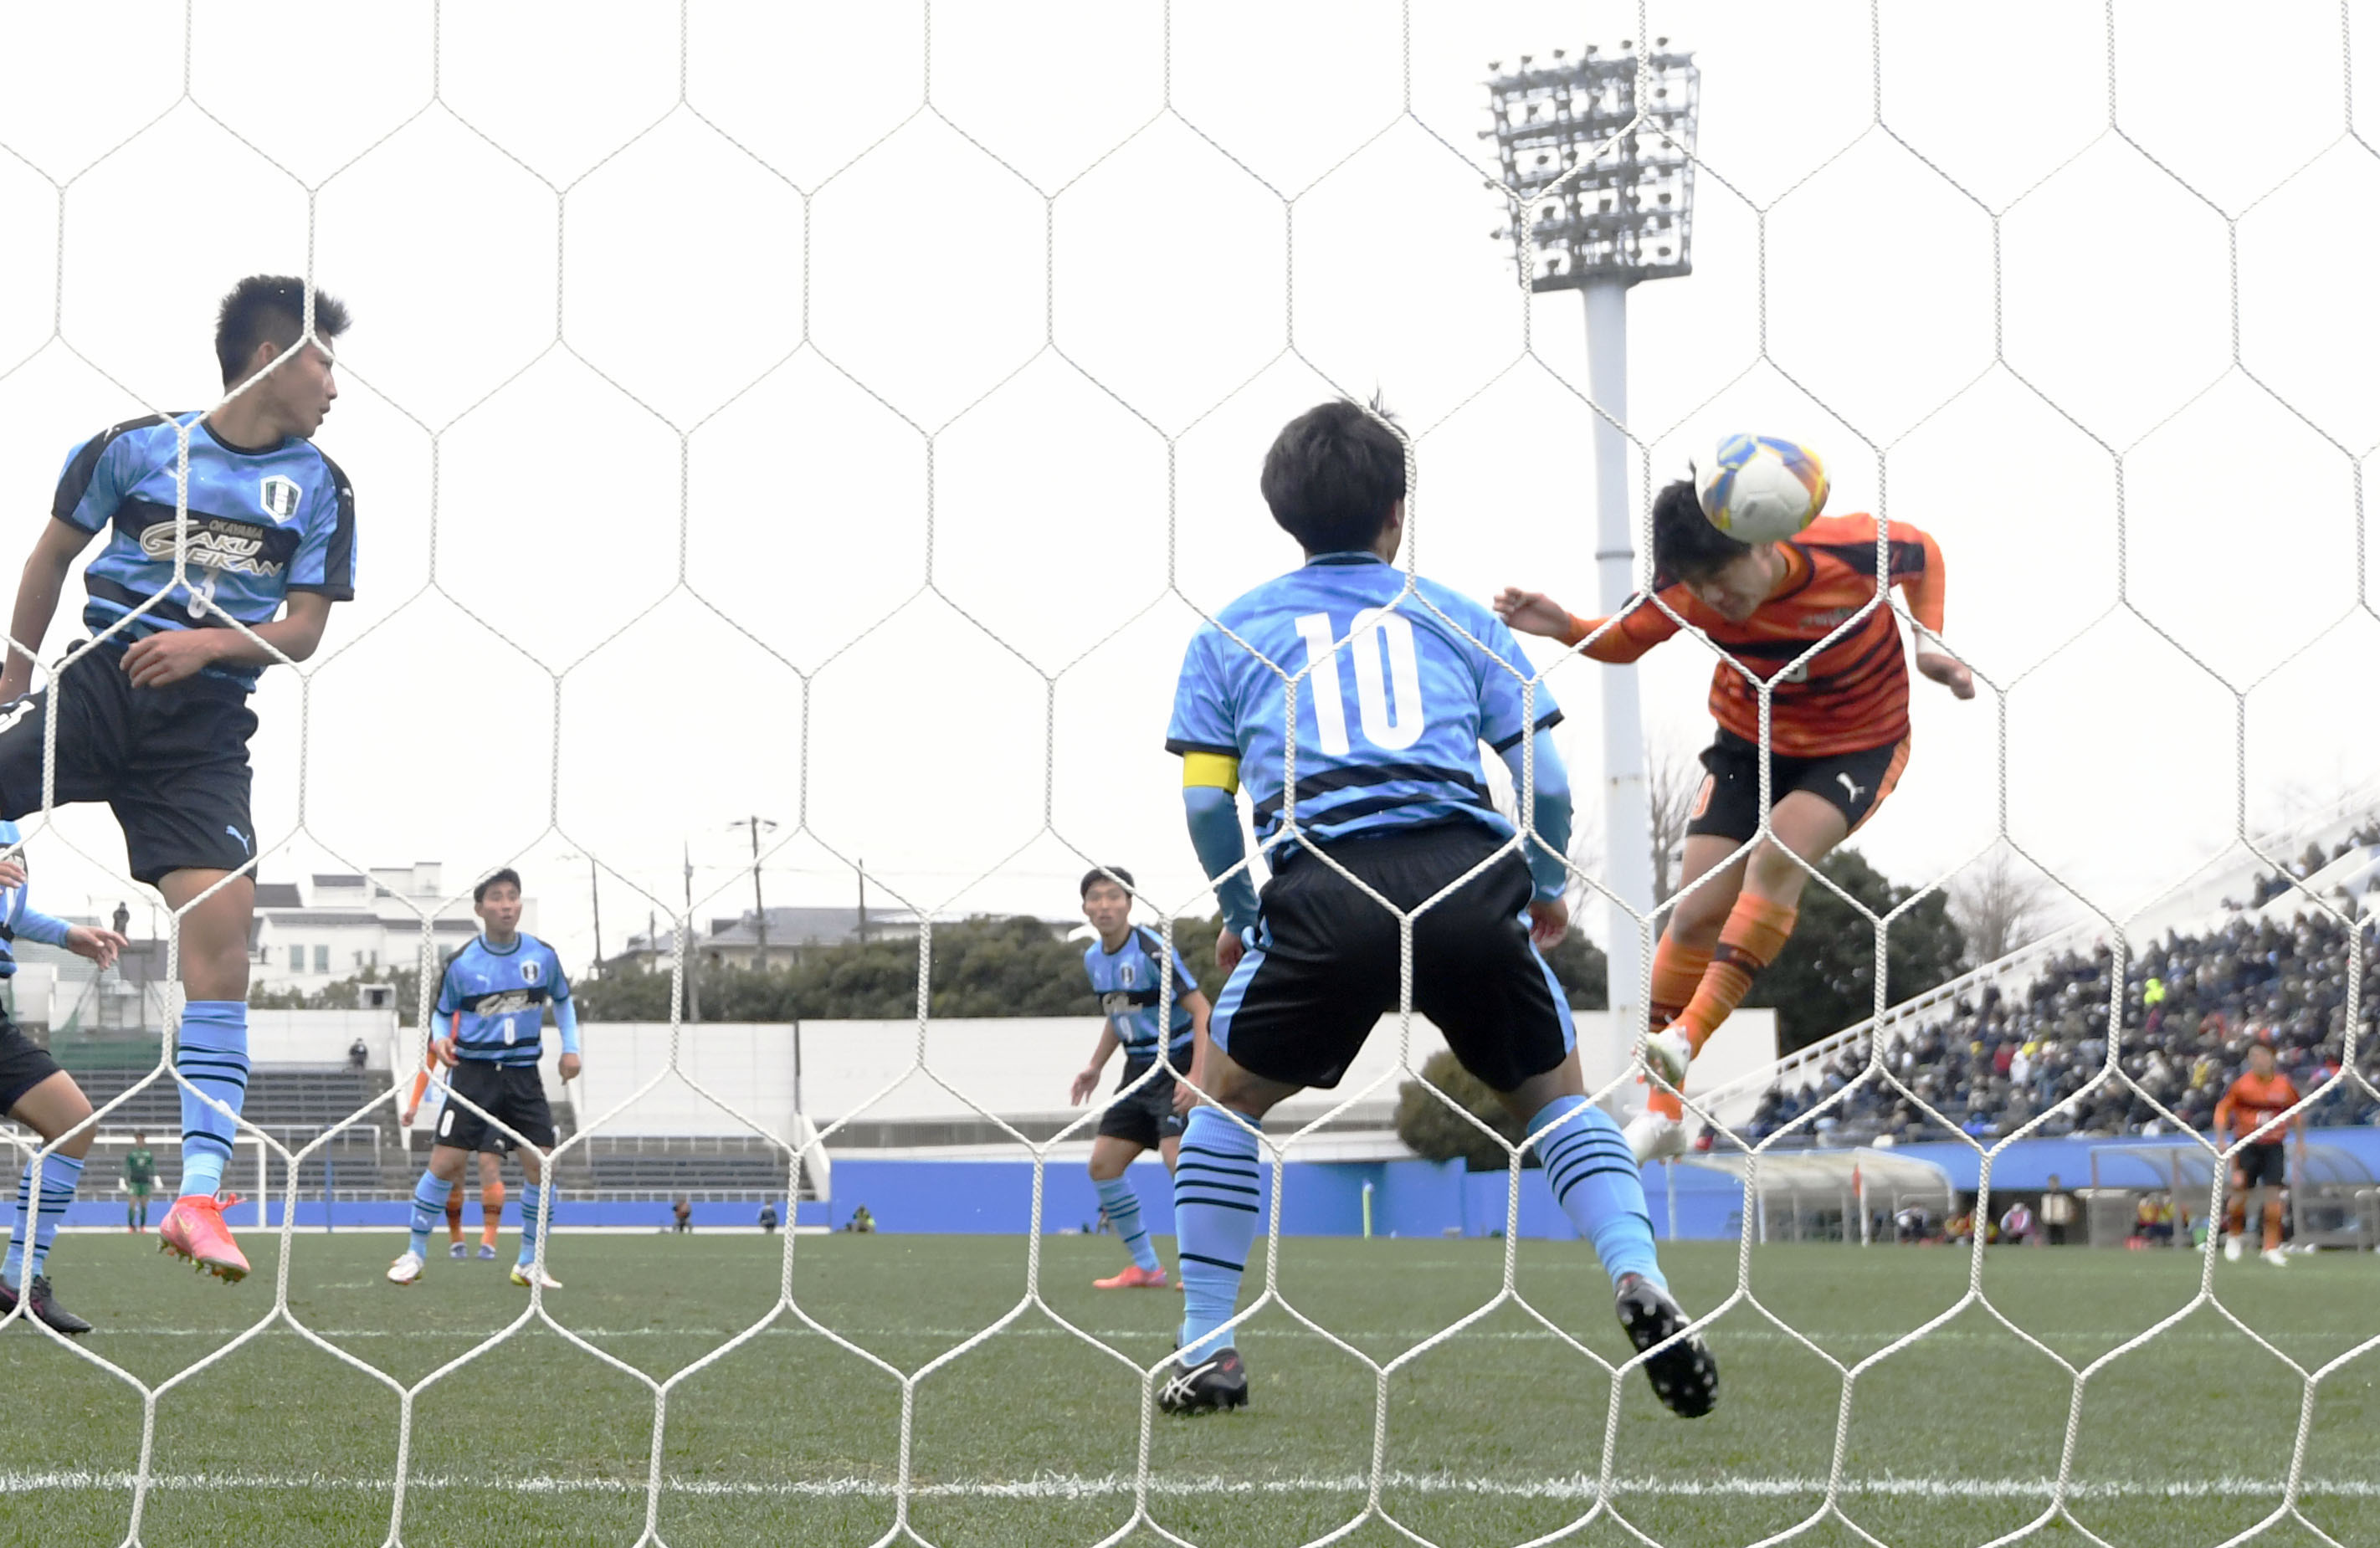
(357, 1054)
(2056, 1213)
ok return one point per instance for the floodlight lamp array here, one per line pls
(1598, 156)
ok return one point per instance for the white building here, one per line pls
(336, 925)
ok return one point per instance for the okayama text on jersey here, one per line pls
(495, 1001)
(263, 523)
(1389, 723)
(1128, 984)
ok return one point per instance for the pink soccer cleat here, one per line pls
(1134, 1277)
(194, 1228)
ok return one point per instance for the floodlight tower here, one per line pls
(1598, 184)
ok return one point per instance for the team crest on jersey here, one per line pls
(279, 497)
(215, 544)
(1126, 972)
(531, 972)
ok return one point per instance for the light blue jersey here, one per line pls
(264, 522)
(19, 920)
(1389, 722)
(1129, 984)
(494, 1000)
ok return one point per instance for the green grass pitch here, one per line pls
(1494, 1437)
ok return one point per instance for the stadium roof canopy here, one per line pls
(1831, 1172)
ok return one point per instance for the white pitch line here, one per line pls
(1060, 1486)
(1717, 1336)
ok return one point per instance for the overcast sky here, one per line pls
(855, 438)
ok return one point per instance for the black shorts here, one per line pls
(511, 1094)
(1323, 964)
(24, 1064)
(2261, 1167)
(1145, 1117)
(1728, 806)
(170, 762)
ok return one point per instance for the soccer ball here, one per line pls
(1760, 489)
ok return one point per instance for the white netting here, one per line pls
(850, 416)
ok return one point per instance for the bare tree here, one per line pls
(2001, 905)
(1673, 778)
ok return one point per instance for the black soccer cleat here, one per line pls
(1684, 1376)
(1220, 1382)
(45, 1306)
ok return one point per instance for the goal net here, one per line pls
(792, 447)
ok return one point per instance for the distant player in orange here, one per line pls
(492, 1173)
(1839, 739)
(2261, 1092)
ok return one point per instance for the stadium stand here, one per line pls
(2003, 1050)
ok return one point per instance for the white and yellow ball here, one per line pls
(1761, 488)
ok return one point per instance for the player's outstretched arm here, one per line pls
(1534, 612)
(43, 582)
(172, 655)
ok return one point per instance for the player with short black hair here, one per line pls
(492, 998)
(153, 716)
(1129, 967)
(44, 1098)
(2260, 1167)
(1394, 682)
(1837, 739)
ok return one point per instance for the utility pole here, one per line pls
(689, 961)
(759, 909)
(594, 904)
(863, 902)
(1599, 186)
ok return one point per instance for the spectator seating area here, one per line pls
(2008, 1051)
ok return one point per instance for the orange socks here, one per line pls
(455, 1213)
(2234, 1217)
(491, 1212)
(1677, 971)
(2272, 1223)
(1756, 931)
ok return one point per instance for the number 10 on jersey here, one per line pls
(1389, 729)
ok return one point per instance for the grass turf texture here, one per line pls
(1494, 1437)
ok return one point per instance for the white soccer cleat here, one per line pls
(1653, 1136)
(1667, 1053)
(2273, 1256)
(406, 1269)
(2232, 1250)
(523, 1273)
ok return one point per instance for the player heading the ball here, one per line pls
(1838, 740)
(1129, 968)
(492, 1001)
(154, 718)
(1394, 684)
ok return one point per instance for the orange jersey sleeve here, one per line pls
(1641, 627)
(1918, 573)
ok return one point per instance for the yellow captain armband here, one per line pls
(1220, 769)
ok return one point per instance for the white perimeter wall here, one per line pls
(1014, 1067)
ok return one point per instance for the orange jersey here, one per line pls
(2252, 1100)
(1854, 694)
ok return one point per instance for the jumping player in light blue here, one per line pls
(205, 519)
(1394, 689)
